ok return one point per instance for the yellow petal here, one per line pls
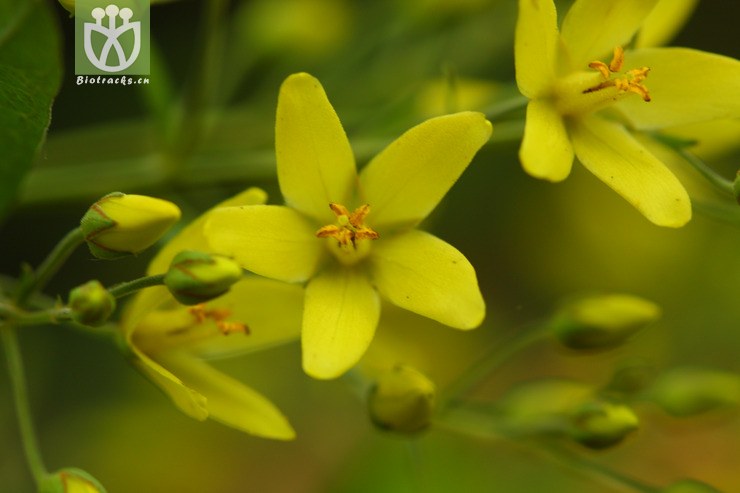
(617, 159)
(407, 180)
(227, 400)
(664, 21)
(686, 86)
(593, 28)
(315, 163)
(272, 311)
(272, 241)
(535, 47)
(143, 303)
(186, 399)
(546, 150)
(191, 237)
(339, 320)
(419, 272)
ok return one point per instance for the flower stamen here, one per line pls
(629, 82)
(350, 228)
(219, 316)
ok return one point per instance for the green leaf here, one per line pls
(30, 74)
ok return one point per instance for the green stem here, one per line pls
(38, 279)
(582, 465)
(126, 288)
(502, 108)
(17, 316)
(494, 358)
(22, 407)
(721, 183)
(483, 425)
(200, 94)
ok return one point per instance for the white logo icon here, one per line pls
(112, 33)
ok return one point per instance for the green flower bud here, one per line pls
(91, 304)
(402, 401)
(70, 480)
(689, 391)
(69, 6)
(600, 424)
(689, 486)
(118, 225)
(630, 379)
(564, 408)
(603, 322)
(196, 277)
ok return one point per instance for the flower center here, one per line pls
(348, 234)
(630, 81)
(165, 329)
(583, 92)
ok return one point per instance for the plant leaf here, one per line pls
(30, 74)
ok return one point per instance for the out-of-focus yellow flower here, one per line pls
(306, 27)
(664, 22)
(580, 106)
(350, 255)
(168, 341)
(447, 95)
(119, 224)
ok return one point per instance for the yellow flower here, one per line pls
(168, 341)
(352, 237)
(581, 106)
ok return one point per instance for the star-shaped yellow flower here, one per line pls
(168, 341)
(352, 237)
(581, 106)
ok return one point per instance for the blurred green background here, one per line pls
(532, 243)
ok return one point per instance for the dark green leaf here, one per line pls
(30, 73)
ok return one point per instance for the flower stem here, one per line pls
(22, 407)
(126, 288)
(721, 183)
(495, 357)
(56, 258)
(591, 468)
(501, 108)
(20, 317)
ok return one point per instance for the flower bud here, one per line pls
(630, 379)
(600, 424)
(195, 277)
(70, 480)
(91, 304)
(686, 392)
(69, 6)
(402, 401)
(602, 322)
(118, 224)
(689, 486)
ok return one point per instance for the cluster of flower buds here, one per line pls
(118, 225)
